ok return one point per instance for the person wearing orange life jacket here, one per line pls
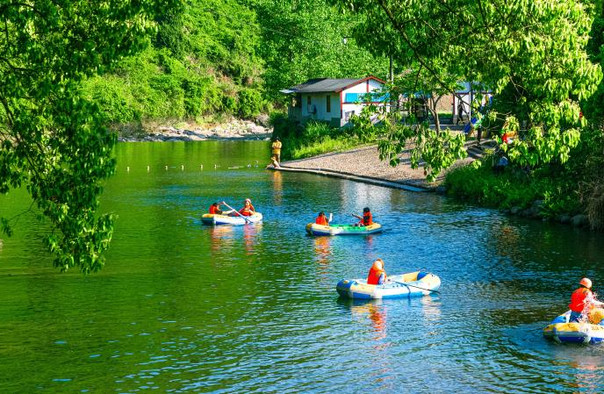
(582, 301)
(366, 219)
(248, 209)
(322, 219)
(377, 274)
(215, 208)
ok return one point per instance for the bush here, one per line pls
(283, 127)
(514, 188)
(250, 103)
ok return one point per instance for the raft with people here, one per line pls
(583, 323)
(342, 229)
(217, 219)
(247, 214)
(412, 284)
(562, 330)
(365, 226)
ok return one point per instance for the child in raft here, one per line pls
(377, 274)
(248, 209)
(366, 219)
(583, 304)
(322, 219)
(215, 208)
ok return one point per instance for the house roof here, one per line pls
(325, 85)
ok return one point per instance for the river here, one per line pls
(184, 307)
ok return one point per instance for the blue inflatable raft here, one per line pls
(413, 284)
(560, 330)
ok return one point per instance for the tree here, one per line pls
(306, 39)
(532, 53)
(53, 141)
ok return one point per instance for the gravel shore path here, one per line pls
(363, 164)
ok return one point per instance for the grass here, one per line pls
(301, 150)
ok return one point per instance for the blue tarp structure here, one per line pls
(360, 97)
(474, 122)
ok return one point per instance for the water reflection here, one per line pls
(588, 375)
(508, 238)
(372, 311)
(277, 178)
(250, 236)
(431, 307)
(221, 237)
(323, 253)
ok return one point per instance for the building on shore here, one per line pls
(334, 100)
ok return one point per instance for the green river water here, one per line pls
(182, 307)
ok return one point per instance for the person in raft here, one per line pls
(322, 219)
(248, 209)
(215, 208)
(377, 274)
(366, 219)
(583, 301)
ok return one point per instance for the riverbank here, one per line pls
(364, 165)
(513, 196)
(227, 129)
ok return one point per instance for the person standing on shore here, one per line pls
(460, 111)
(276, 151)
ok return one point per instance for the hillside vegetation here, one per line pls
(208, 59)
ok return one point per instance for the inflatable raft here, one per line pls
(560, 330)
(213, 219)
(342, 229)
(413, 284)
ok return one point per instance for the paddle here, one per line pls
(237, 212)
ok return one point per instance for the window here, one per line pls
(308, 100)
(328, 103)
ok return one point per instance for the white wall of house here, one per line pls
(314, 105)
(350, 108)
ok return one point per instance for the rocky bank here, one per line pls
(231, 129)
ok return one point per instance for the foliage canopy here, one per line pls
(530, 53)
(53, 141)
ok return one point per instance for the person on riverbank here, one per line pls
(460, 111)
(377, 273)
(582, 302)
(276, 151)
(366, 219)
(215, 208)
(248, 209)
(322, 219)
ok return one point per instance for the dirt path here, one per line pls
(363, 164)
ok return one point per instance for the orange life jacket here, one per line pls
(578, 298)
(246, 211)
(322, 220)
(214, 210)
(374, 276)
(367, 219)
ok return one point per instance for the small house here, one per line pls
(333, 100)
